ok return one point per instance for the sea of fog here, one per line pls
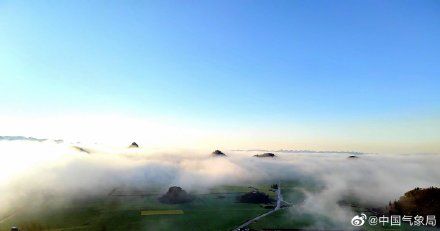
(36, 170)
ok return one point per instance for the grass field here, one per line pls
(216, 210)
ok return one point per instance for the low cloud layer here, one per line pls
(34, 171)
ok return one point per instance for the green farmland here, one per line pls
(216, 210)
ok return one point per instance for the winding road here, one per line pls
(279, 200)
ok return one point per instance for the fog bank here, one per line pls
(38, 171)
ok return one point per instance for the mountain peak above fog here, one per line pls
(134, 145)
(218, 153)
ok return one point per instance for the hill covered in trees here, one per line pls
(419, 201)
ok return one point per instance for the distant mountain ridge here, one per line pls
(12, 138)
(297, 151)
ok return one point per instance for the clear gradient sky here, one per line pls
(342, 75)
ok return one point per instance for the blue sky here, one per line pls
(356, 74)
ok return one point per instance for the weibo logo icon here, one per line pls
(359, 220)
